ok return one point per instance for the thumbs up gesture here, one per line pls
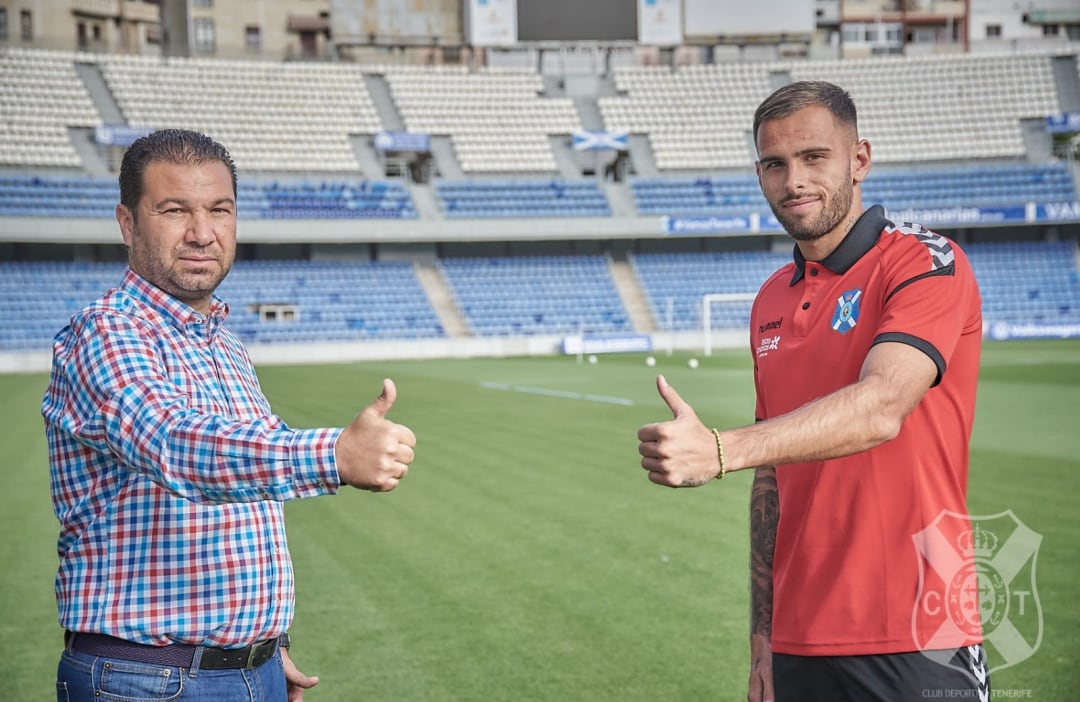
(374, 453)
(680, 452)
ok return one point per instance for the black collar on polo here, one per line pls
(862, 237)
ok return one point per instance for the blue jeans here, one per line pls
(85, 678)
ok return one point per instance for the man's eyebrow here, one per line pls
(163, 204)
(813, 150)
(800, 152)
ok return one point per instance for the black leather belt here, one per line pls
(173, 655)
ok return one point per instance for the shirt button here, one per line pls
(813, 271)
(806, 305)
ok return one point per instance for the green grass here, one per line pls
(527, 557)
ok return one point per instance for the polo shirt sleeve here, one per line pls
(932, 298)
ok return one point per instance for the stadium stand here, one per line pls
(41, 97)
(45, 196)
(497, 120)
(503, 296)
(51, 196)
(297, 131)
(704, 195)
(898, 189)
(974, 186)
(1021, 282)
(935, 108)
(277, 117)
(522, 198)
(1012, 184)
(1027, 283)
(685, 279)
(39, 298)
(334, 301)
(334, 199)
(697, 116)
(330, 301)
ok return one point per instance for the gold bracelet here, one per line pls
(720, 454)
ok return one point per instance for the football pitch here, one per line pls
(527, 556)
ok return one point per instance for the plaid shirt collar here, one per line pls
(173, 312)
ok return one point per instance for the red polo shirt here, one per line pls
(864, 561)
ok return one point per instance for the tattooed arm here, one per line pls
(764, 516)
(682, 451)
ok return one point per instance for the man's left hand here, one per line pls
(296, 681)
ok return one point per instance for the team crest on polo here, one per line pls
(847, 311)
(976, 573)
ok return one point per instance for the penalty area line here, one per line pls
(547, 392)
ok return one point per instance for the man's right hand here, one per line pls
(374, 453)
(761, 679)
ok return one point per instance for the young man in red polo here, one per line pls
(866, 354)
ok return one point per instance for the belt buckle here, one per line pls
(255, 653)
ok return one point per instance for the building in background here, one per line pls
(1011, 25)
(213, 28)
(530, 33)
(909, 27)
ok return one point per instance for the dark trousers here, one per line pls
(955, 674)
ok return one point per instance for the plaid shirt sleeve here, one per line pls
(174, 425)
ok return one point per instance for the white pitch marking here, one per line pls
(547, 392)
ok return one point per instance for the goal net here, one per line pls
(724, 313)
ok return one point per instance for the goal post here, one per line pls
(744, 300)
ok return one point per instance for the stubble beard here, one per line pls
(189, 286)
(826, 221)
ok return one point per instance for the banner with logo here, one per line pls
(751, 222)
(1063, 123)
(118, 134)
(660, 22)
(606, 343)
(600, 140)
(491, 22)
(402, 141)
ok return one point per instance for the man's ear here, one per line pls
(860, 161)
(126, 219)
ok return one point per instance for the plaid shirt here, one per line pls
(168, 476)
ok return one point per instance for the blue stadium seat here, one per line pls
(86, 197)
(337, 301)
(536, 295)
(685, 279)
(522, 198)
(974, 186)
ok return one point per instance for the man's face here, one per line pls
(182, 239)
(808, 164)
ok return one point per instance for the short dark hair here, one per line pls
(807, 93)
(179, 146)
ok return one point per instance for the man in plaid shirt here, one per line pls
(169, 470)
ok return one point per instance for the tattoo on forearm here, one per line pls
(764, 516)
